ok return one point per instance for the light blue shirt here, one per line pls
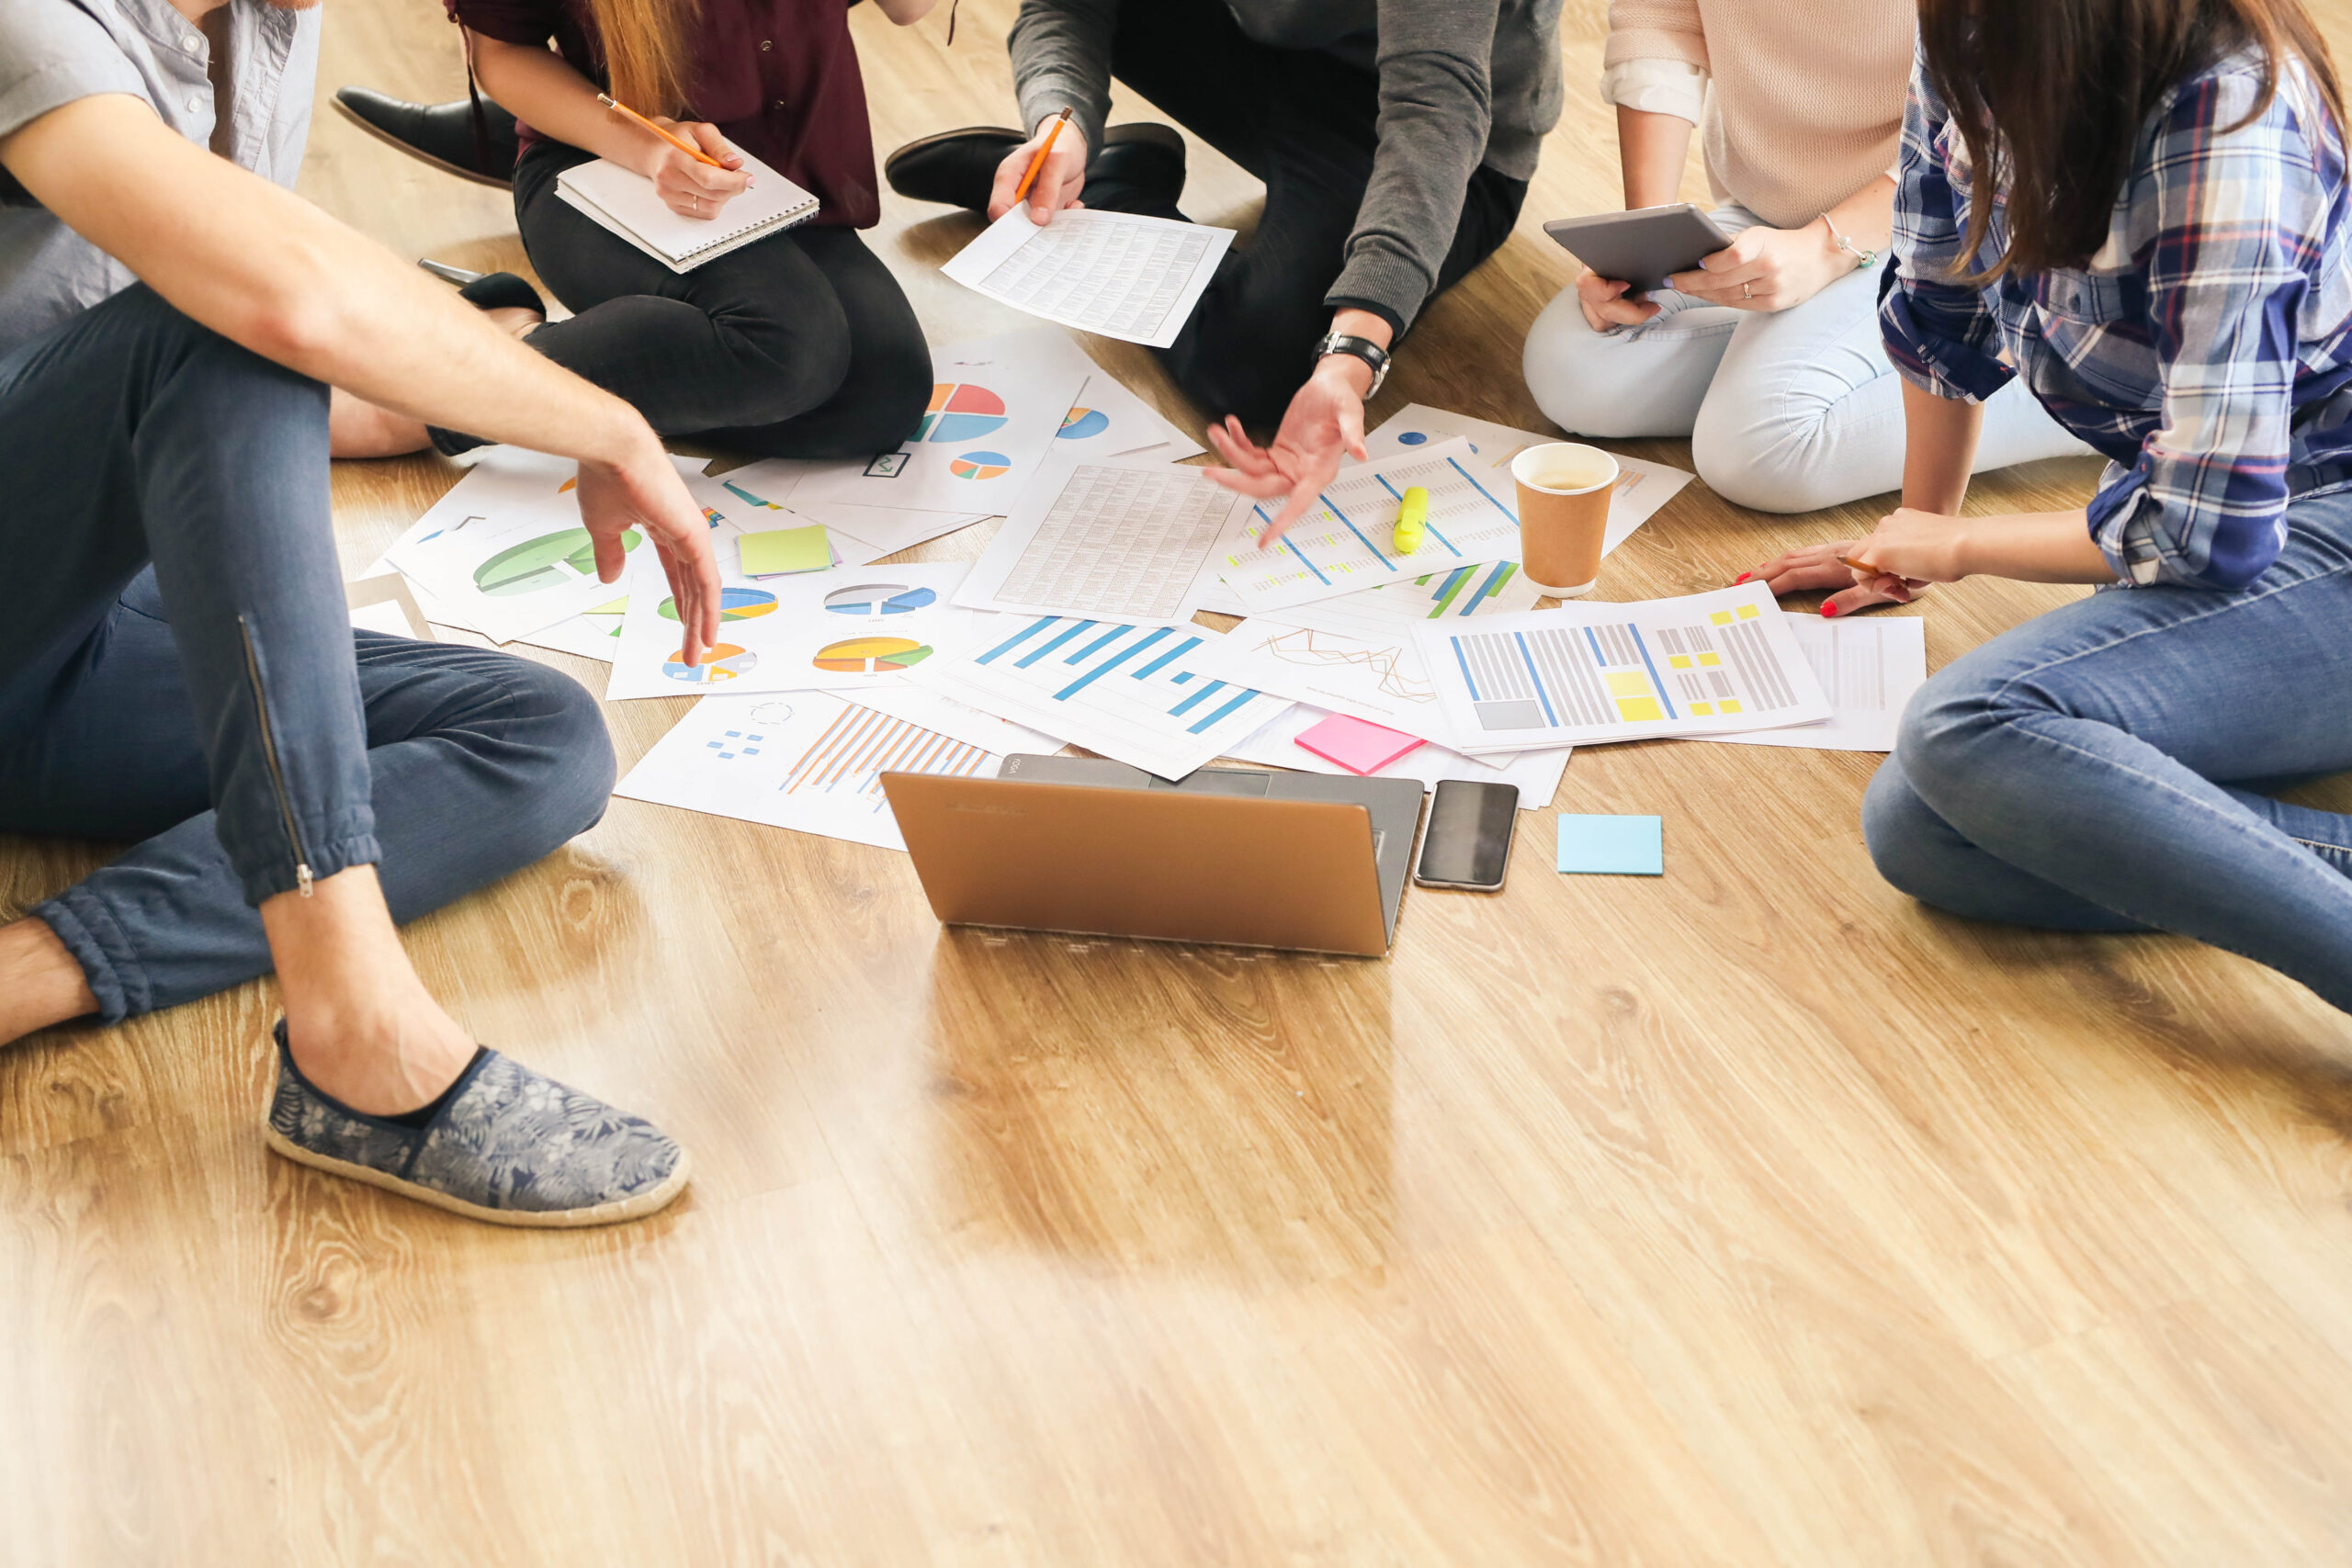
(55, 51)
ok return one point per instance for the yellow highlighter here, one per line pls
(1412, 520)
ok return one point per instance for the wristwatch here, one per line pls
(1364, 348)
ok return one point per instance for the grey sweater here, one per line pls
(1462, 82)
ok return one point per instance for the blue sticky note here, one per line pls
(1615, 846)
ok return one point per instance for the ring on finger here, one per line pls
(1746, 291)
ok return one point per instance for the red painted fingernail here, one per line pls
(1741, 577)
(1830, 611)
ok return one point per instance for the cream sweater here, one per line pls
(1806, 100)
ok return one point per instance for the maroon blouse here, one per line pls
(778, 77)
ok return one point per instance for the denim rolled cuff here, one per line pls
(81, 920)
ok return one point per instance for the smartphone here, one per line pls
(1467, 843)
(1643, 247)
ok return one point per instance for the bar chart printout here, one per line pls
(1145, 694)
(812, 762)
(1347, 540)
(1712, 662)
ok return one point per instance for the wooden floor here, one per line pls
(1749, 1216)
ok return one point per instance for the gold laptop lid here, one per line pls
(1165, 865)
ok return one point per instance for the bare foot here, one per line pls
(357, 428)
(40, 983)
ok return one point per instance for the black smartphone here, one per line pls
(1467, 843)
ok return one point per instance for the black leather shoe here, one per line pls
(438, 134)
(958, 167)
(488, 290)
(955, 167)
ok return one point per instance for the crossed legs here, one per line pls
(218, 706)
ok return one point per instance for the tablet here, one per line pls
(1643, 247)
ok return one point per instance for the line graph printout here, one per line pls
(1345, 543)
(1118, 273)
(1357, 655)
(1128, 539)
(1869, 667)
(811, 761)
(1641, 487)
(1709, 664)
(1148, 694)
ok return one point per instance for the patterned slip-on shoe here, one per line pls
(505, 1146)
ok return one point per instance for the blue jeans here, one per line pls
(2103, 768)
(179, 666)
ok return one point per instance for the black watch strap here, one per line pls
(1363, 348)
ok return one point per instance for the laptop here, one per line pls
(1244, 857)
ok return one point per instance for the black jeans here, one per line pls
(1307, 124)
(799, 346)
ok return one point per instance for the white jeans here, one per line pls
(1786, 412)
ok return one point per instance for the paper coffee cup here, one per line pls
(1563, 490)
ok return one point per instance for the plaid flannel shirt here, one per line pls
(2205, 351)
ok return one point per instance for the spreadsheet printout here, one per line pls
(1129, 539)
(1118, 273)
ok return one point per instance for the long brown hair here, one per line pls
(644, 45)
(2050, 96)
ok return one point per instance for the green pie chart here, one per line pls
(549, 561)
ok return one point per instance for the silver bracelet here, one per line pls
(1862, 258)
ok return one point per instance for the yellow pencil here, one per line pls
(696, 153)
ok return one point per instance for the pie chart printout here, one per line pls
(979, 465)
(724, 662)
(879, 599)
(734, 605)
(960, 412)
(870, 655)
(551, 561)
(1079, 424)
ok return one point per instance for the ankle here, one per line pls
(383, 1062)
(41, 981)
(356, 428)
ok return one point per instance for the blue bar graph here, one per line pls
(1169, 713)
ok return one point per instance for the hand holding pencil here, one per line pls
(1048, 171)
(693, 169)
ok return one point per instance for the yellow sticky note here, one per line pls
(1628, 683)
(1711, 659)
(1680, 661)
(786, 549)
(1721, 618)
(1634, 710)
(1748, 612)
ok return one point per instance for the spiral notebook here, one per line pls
(625, 201)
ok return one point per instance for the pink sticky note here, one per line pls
(1356, 746)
